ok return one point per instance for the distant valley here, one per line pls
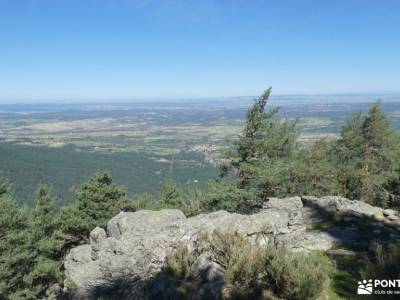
(142, 144)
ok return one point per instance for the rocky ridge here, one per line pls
(133, 248)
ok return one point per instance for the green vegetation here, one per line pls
(384, 263)
(178, 264)
(143, 144)
(96, 202)
(368, 155)
(28, 259)
(254, 272)
(65, 169)
(266, 160)
(259, 157)
(33, 242)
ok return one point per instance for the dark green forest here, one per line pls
(265, 160)
(65, 169)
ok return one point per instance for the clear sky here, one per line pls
(129, 49)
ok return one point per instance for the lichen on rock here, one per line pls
(133, 248)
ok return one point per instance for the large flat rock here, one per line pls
(134, 246)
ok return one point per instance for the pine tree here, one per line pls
(368, 154)
(12, 223)
(260, 156)
(313, 172)
(381, 157)
(30, 260)
(42, 244)
(171, 195)
(96, 202)
(349, 153)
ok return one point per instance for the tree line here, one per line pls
(266, 160)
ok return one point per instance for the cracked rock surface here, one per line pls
(133, 247)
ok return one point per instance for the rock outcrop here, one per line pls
(133, 248)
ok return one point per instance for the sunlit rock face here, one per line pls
(132, 250)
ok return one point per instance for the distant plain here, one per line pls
(143, 143)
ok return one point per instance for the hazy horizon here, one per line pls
(324, 98)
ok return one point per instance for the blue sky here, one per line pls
(131, 49)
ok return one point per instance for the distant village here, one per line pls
(205, 148)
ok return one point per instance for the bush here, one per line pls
(295, 275)
(384, 262)
(255, 272)
(178, 264)
(193, 202)
(241, 261)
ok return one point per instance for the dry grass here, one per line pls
(254, 272)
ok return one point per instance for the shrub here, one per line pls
(241, 261)
(296, 275)
(178, 264)
(255, 272)
(384, 263)
(193, 202)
